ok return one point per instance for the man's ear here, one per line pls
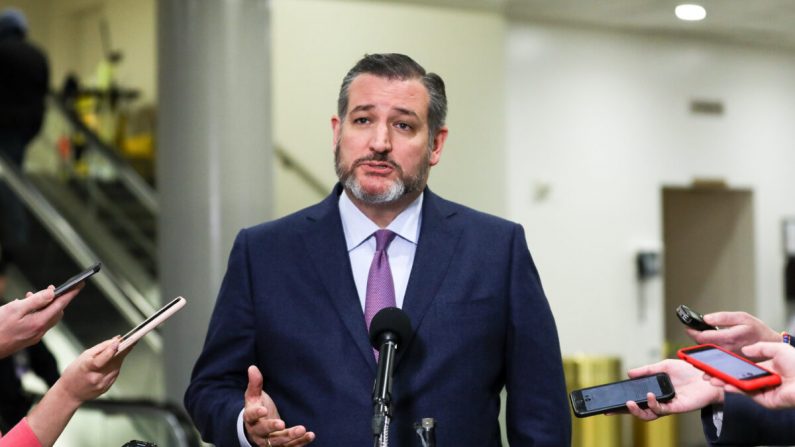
(438, 145)
(336, 127)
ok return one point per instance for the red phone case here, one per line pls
(746, 385)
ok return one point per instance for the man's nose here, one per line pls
(381, 139)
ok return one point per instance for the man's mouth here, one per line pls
(377, 167)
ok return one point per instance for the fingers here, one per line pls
(635, 410)
(645, 370)
(714, 381)
(694, 334)
(67, 297)
(303, 440)
(254, 388)
(264, 427)
(37, 301)
(106, 354)
(96, 349)
(253, 413)
(765, 350)
(727, 318)
(294, 436)
(732, 389)
(656, 406)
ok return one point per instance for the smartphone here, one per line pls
(693, 319)
(614, 396)
(72, 282)
(152, 322)
(729, 367)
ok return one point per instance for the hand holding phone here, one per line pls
(781, 360)
(74, 281)
(729, 367)
(152, 322)
(693, 319)
(692, 391)
(614, 396)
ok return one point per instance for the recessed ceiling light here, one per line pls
(690, 13)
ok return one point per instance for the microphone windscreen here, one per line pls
(390, 319)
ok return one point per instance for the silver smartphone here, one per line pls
(152, 322)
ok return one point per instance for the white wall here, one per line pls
(315, 42)
(602, 119)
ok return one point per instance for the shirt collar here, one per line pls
(358, 227)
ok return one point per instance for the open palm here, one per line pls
(692, 391)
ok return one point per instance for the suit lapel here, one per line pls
(325, 243)
(435, 249)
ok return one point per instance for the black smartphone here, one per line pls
(614, 396)
(72, 282)
(693, 319)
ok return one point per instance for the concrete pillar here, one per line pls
(214, 165)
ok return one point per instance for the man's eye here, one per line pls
(361, 120)
(403, 126)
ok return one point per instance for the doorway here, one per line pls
(708, 235)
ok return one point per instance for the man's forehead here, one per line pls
(368, 91)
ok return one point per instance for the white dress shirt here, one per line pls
(359, 237)
(360, 241)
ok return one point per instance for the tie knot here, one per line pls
(383, 238)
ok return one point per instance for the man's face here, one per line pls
(382, 149)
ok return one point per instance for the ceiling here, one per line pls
(756, 22)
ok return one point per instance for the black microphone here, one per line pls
(388, 329)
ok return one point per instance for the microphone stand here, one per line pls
(425, 430)
(382, 392)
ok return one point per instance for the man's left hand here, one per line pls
(261, 420)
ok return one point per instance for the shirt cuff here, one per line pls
(241, 432)
(717, 418)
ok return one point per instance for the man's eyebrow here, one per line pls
(400, 110)
(407, 112)
(362, 108)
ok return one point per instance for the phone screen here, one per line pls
(729, 364)
(617, 394)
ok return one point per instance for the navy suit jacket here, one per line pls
(747, 423)
(480, 320)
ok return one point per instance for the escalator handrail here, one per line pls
(145, 194)
(291, 163)
(123, 295)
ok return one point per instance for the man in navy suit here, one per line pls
(290, 319)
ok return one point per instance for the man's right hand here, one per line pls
(24, 322)
(693, 391)
(261, 420)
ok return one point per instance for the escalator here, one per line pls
(56, 251)
(74, 220)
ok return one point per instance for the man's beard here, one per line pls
(400, 187)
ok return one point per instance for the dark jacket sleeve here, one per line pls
(537, 407)
(747, 423)
(214, 398)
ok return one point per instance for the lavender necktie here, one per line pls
(380, 287)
